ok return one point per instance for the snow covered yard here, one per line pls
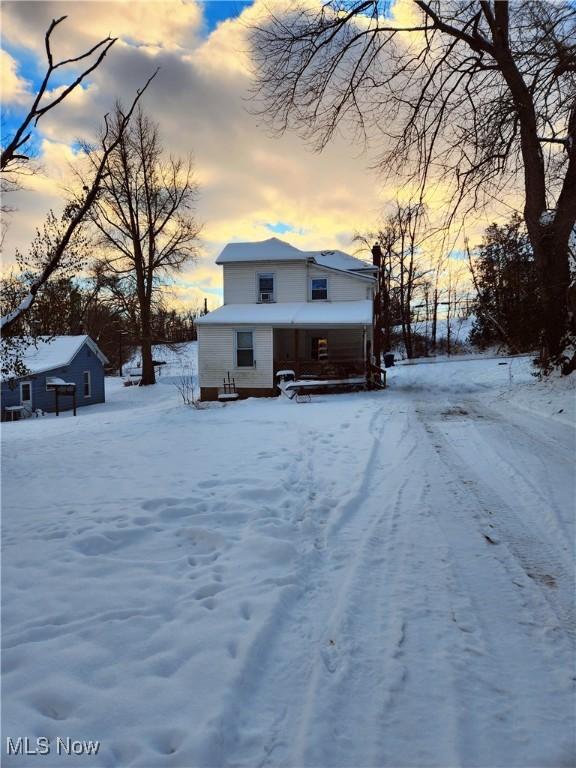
(372, 579)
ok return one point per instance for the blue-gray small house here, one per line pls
(65, 363)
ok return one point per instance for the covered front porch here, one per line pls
(321, 353)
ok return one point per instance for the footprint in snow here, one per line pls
(330, 656)
(168, 741)
(208, 590)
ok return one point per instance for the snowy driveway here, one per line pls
(377, 579)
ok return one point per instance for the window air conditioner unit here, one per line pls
(266, 297)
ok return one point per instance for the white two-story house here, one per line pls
(285, 309)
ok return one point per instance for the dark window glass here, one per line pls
(245, 358)
(266, 283)
(244, 349)
(266, 287)
(319, 289)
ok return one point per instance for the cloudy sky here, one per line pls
(252, 185)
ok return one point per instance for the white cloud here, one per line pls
(13, 88)
(248, 178)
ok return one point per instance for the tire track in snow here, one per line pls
(283, 658)
(359, 667)
(517, 643)
(534, 552)
(548, 453)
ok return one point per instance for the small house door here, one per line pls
(26, 394)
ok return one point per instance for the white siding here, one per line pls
(341, 287)
(291, 283)
(216, 356)
(240, 281)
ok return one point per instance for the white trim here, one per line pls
(22, 401)
(89, 384)
(243, 367)
(94, 347)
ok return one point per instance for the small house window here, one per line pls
(319, 289)
(319, 348)
(266, 287)
(244, 349)
(87, 384)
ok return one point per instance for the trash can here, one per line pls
(388, 359)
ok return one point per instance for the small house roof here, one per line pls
(293, 314)
(46, 354)
(274, 249)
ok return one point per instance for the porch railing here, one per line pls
(322, 369)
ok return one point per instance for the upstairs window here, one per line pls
(319, 289)
(266, 287)
(244, 349)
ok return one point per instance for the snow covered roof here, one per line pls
(56, 353)
(297, 314)
(274, 249)
(341, 260)
(56, 381)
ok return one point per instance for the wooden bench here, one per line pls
(301, 389)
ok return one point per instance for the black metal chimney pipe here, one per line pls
(376, 255)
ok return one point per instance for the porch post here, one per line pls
(368, 365)
(297, 359)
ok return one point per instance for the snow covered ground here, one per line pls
(370, 579)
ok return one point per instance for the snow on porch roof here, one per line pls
(274, 249)
(57, 353)
(311, 314)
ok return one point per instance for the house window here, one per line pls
(319, 348)
(319, 289)
(87, 383)
(244, 349)
(266, 287)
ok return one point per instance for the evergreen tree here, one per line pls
(506, 282)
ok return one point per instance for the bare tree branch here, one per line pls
(36, 111)
(81, 210)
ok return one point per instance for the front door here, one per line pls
(26, 394)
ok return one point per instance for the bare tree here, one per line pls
(77, 211)
(478, 95)
(144, 221)
(401, 272)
